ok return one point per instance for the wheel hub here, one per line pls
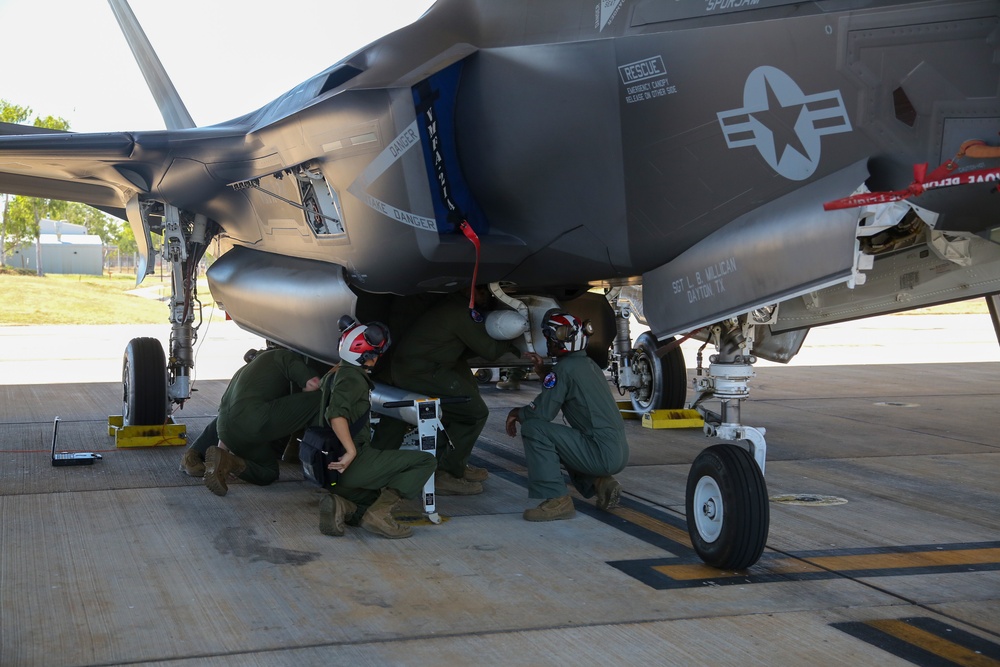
(709, 509)
(708, 497)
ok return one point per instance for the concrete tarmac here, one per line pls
(884, 543)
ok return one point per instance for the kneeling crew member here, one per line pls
(372, 481)
(258, 411)
(592, 448)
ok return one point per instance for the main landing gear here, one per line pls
(652, 373)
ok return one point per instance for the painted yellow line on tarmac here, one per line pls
(936, 558)
(848, 563)
(654, 525)
(932, 643)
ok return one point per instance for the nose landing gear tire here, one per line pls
(727, 507)
(144, 383)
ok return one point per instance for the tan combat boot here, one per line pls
(333, 510)
(552, 509)
(219, 464)
(446, 484)
(609, 492)
(378, 519)
(192, 463)
(474, 474)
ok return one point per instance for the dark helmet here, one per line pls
(361, 342)
(565, 332)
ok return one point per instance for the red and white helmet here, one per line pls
(361, 342)
(565, 333)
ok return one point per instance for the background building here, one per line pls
(66, 248)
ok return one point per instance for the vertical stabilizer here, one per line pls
(174, 113)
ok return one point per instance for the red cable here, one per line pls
(470, 234)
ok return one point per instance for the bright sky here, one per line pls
(68, 58)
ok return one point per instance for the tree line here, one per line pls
(20, 217)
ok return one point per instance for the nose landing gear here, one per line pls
(726, 497)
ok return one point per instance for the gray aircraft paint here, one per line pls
(598, 140)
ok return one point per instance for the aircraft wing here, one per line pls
(88, 168)
(107, 170)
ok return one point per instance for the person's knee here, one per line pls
(425, 462)
(531, 429)
(260, 472)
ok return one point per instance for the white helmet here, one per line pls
(361, 342)
(565, 333)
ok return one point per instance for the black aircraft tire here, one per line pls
(727, 507)
(144, 383)
(669, 376)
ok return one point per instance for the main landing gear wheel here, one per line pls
(144, 383)
(727, 507)
(663, 379)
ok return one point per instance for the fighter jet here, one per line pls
(734, 170)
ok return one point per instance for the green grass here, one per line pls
(74, 299)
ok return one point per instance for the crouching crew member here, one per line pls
(257, 413)
(592, 448)
(431, 360)
(372, 481)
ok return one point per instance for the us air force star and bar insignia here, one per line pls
(783, 123)
(549, 381)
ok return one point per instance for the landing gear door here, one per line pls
(142, 239)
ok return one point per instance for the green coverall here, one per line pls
(210, 436)
(431, 360)
(258, 409)
(347, 393)
(592, 446)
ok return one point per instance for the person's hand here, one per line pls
(538, 361)
(312, 384)
(534, 356)
(340, 465)
(512, 418)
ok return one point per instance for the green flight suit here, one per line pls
(347, 393)
(592, 446)
(259, 410)
(210, 436)
(431, 360)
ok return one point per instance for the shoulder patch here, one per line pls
(476, 315)
(550, 380)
